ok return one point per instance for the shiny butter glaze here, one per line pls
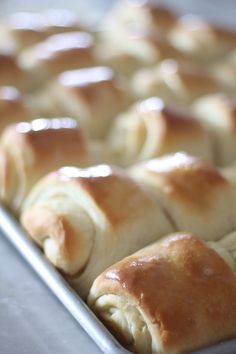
(84, 77)
(179, 284)
(58, 137)
(66, 42)
(188, 179)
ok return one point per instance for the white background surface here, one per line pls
(32, 321)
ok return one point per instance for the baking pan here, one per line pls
(69, 298)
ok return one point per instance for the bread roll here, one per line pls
(58, 53)
(174, 82)
(175, 296)
(23, 29)
(138, 49)
(218, 113)
(129, 15)
(92, 95)
(202, 40)
(87, 219)
(150, 128)
(29, 150)
(193, 193)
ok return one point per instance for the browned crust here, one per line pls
(177, 121)
(188, 179)
(185, 289)
(111, 189)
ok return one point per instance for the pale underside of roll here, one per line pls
(151, 128)
(87, 219)
(217, 113)
(172, 297)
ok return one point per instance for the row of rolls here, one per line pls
(128, 185)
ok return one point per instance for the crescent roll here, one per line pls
(129, 15)
(24, 29)
(225, 71)
(174, 82)
(150, 128)
(94, 96)
(58, 53)
(173, 297)
(139, 49)
(218, 114)
(87, 219)
(202, 40)
(29, 150)
(194, 194)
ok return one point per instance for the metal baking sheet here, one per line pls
(69, 298)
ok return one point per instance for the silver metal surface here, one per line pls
(58, 285)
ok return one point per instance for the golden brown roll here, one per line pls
(87, 219)
(129, 15)
(11, 74)
(13, 107)
(23, 29)
(58, 53)
(175, 296)
(94, 96)
(29, 150)
(137, 50)
(150, 128)
(174, 82)
(193, 193)
(204, 41)
(218, 114)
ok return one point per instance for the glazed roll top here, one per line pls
(218, 114)
(204, 41)
(87, 219)
(174, 296)
(58, 53)
(194, 194)
(151, 128)
(29, 150)
(92, 95)
(174, 82)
